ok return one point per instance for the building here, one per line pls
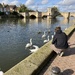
(7, 8)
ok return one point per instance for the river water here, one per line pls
(15, 34)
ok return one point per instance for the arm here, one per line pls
(54, 39)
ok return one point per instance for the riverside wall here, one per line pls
(35, 62)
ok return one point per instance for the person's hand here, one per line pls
(69, 43)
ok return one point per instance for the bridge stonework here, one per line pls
(49, 14)
(72, 14)
(38, 14)
(65, 14)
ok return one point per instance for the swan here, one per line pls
(52, 36)
(39, 32)
(35, 49)
(29, 44)
(1, 72)
(46, 40)
(44, 35)
(54, 33)
(65, 28)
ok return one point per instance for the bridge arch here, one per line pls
(32, 16)
(44, 16)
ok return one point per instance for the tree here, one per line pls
(1, 5)
(55, 11)
(22, 8)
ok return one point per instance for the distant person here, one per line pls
(59, 42)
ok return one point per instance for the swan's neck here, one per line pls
(48, 38)
(52, 36)
(30, 41)
(44, 33)
(54, 33)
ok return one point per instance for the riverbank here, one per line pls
(10, 15)
(35, 62)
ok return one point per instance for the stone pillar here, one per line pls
(49, 13)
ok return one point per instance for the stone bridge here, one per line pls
(65, 14)
(37, 14)
(49, 13)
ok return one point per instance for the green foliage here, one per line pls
(14, 13)
(55, 9)
(2, 13)
(0, 5)
(22, 8)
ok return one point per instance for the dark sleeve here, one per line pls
(54, 39)
(66, 36)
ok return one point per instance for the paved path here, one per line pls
(65, 63)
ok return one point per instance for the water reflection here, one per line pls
(15, 34)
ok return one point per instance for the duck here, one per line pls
(44, 35)
(45, 41)
(29, 44)
(49, 31)
(39, 32)
(34, 49)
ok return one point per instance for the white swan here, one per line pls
(44, 35)
(29, 44)
(52, 36)
(65, 28)
(54, 33)
(1, 72)
(35, 49)
(45, 41)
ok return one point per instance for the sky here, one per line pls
(42, 5)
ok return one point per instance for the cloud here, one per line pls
(14, 2)
(66, 5)
(70, 8)
(42, 9)
(44, 1)
(4, 1)
(29, 2)
(66, 2)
